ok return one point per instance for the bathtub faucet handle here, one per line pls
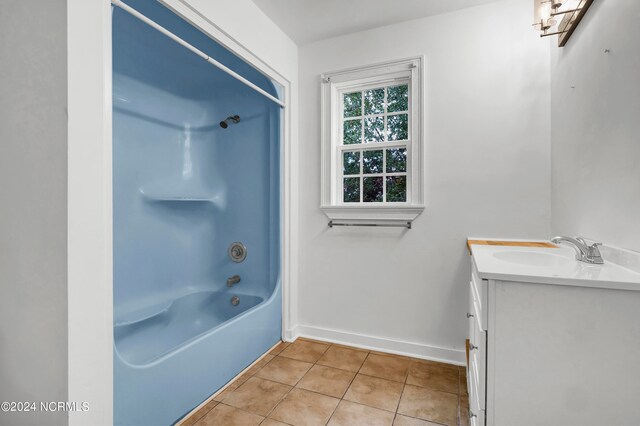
(231, 281)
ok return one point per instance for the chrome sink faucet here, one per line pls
(231, 281)
(584, 252)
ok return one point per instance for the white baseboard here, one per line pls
(381, 344)
(289, 335)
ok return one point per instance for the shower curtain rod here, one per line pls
(195, 50)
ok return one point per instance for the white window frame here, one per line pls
(334, 85)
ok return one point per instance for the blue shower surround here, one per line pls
(184, 189)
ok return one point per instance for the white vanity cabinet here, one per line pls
(552, 354)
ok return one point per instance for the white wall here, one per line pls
(487, 172)
(33, 214)
(595, 132)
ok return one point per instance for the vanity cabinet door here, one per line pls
(476, 371)
(476, 379)
(470, 333)
(479, 290)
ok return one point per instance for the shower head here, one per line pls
(233, 118)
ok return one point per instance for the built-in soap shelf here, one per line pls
(156, 196)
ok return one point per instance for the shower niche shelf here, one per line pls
(169, 197)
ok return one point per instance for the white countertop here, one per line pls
(558, 266)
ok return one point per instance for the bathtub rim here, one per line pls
(176, 297)
(196, 339)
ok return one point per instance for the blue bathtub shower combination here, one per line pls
(184, 190)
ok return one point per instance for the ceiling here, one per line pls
(306, 21)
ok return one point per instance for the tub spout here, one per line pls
(231, 281)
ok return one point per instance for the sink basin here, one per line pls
(621, 268)
(531, 258)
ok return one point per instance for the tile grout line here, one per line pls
(294, 386)
(279, 401)
(350, 383)
(243, 410)
(273, 381)
(424, 420)
(212, 397)
(252, 375)
(411, 360)
(433, 390)
(404, 386)
(339, 399)
(329, 346)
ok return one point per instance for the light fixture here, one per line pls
(542, 13)
(547, 13)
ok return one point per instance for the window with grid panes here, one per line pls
(372, 144)
(373, 149)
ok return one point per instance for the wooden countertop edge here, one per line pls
(540, 244)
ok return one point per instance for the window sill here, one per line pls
(362, 213)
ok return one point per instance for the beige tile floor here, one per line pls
(315, 383)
